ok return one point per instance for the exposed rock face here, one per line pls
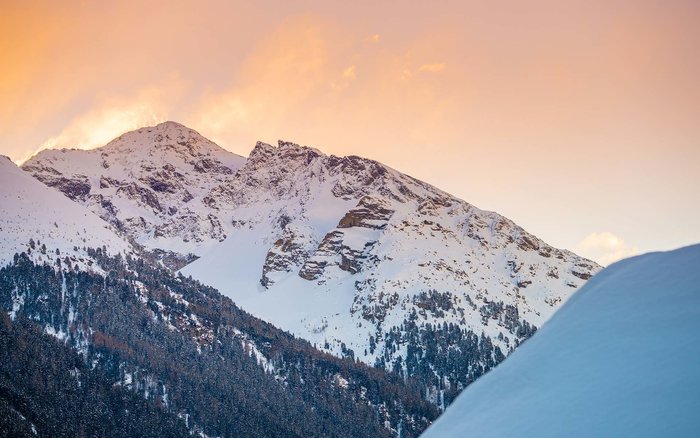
(173, 260)
(370, 213)
(349, 256)
(351, 224)
(286, 254)
(334, 252)
(142, 196)
(48, 227)
(191, 228)
(77, 189)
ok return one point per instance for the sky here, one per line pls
(579, 120)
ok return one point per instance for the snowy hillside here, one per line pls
(339, 250)
(352, 255)
(155, 184)
(621, 358)
(41, 221)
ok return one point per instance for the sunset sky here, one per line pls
(579, 120)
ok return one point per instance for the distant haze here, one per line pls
(580, 120)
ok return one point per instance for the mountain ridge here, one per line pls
(348, 253)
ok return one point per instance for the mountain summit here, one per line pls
(354, 256)
(154, 184)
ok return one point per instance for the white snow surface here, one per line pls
(621, 358)
(332, 249)
(31, 210)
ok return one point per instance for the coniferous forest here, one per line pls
(138, 344)
(138, 335)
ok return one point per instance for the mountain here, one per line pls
(359, 259)
(156, 185)
(90, 335)
(35, 217)
(620, 358)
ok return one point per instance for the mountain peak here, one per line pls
(284, 145)
(284, 152)
(169, 124)
(154, 180)
(164, 134)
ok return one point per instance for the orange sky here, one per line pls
(578, 120)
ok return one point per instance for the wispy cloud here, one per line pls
(432, 68)
(605, 248)
(349, 72)
(310, 79)
(99, 127)
(113, 117)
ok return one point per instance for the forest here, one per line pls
(190, 354)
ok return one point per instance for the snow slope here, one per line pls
(621, 358)
(31, 210)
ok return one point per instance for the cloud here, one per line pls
(96, 128)
(345, 80)
(113, 117)
(605, 248)
(432, 68)
(320, 83)
(374, 38)
(349, 72)
(279, 75)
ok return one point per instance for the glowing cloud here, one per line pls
(432, 68)
(113, 117)
(349, 72)
(605, 248)
(302, 68)
(99, 127)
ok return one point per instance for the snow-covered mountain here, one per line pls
(158, 185)
(40, 221)
(621, 358)
(348, 253)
